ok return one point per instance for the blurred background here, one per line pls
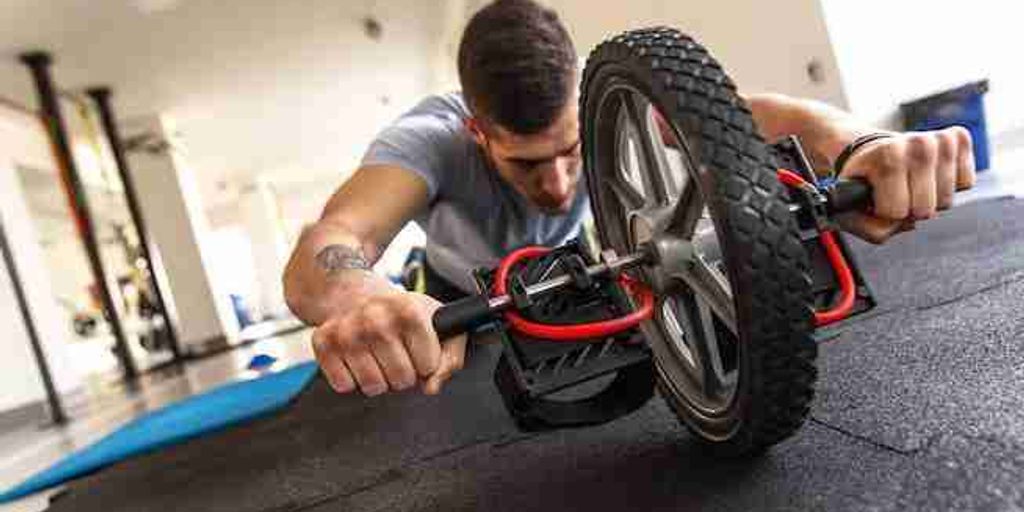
(238, 119)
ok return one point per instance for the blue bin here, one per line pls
(961, 106)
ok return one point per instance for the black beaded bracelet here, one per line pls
(854, 146)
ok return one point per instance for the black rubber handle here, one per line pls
(461, 316)
(848, 195)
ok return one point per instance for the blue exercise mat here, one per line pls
(216, 409)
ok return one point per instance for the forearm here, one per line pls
(823, 129)
(330, 268)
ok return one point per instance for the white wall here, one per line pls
(172, 206)
(23, 142)
(297, 90)
(299, 109)
(20, 379)
(894, 51)
(262, 220)
(764, 45)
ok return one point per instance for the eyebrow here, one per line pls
(535, 161)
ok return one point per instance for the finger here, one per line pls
(382, 337)
(366, 372)
(922, 151)
(965, 169)
(869, 228)
(337, 374)
(331, 364)
(887, 175)
(453, 354)
(945, 169)
(394, 362)
(422, 344)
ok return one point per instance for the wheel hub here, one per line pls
(642, 229)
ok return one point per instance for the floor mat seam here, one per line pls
(865, 439)
(396, 473)
(1016, 277)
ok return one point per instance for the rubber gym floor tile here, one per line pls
(918, 409)
(644, 462)
(963, 251)
(904, 378)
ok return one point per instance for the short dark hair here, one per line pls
(516, 65)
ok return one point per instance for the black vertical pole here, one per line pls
(101, 95)
(56, 409)
(39, 64)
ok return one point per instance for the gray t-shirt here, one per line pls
(474, 217)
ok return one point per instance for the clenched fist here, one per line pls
(386, 341)
(913, 175)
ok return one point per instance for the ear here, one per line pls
(472, 125)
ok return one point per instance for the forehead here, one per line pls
(562, 133)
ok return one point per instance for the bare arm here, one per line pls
(368, 334)
(330, 266)
(913, 175)
(823, 130)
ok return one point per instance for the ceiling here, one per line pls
(293, 90)
(290, 89)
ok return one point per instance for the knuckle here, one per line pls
(893, 209)
(326, 339)
(921, 148)
(376, 317)
(376, 307)
(319, 340)
(947, 145)
(962, 136)
(407, 310)
(891, 159)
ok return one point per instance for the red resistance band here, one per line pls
(642, 294)
(835, 257)
(572, 332)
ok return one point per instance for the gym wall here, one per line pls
(919, 47)
(23, 143)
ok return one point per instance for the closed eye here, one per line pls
(530, 163)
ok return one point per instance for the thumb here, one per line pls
(453, 355)
(870, 228)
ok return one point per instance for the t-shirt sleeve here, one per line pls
(418, 142)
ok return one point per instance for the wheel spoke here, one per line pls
(630, 168)
(712, 288)
(652, 190)
(689, 210)
(703, 339)
(677, 328)
(656, 174)
(629, 199)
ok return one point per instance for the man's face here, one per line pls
(543, 167)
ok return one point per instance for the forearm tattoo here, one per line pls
(335, 258)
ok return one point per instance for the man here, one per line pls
(498, 166)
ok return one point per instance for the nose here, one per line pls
(557, 182)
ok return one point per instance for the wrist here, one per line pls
(857, 144)
(824, 132)
(344, 292)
